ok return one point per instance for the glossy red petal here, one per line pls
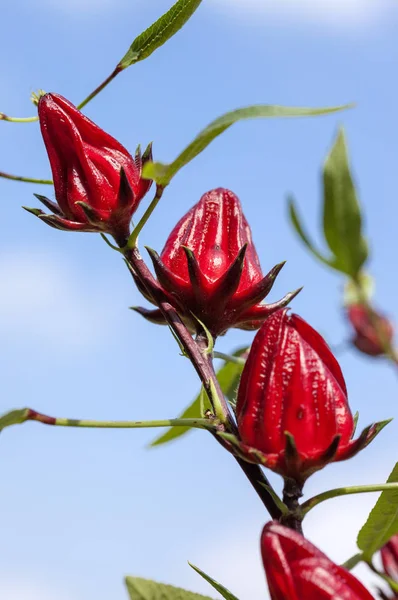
(317, 342)
(291, 384)
(86, 163)
(298, 570)
(389, 558)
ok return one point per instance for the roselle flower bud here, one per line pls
(298, 570)
(292, 409)
(97, 183)
(373, 332)
(209, 269)
(389, 558)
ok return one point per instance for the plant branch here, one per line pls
(116, 71)
(202, 363)
(25, 179)
(4, 117)
(99, 89)
(196, 423)
(138, 228)
(292, 492)
(18, 417)
(253, 472)
(353, 561)
(345, 491)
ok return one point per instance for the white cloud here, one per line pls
(42, 299)
(336, 12)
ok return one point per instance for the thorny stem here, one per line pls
(201, 363)
(292, 492)
(25, 179)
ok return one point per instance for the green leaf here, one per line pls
(145, 589)
(159, 32)
(14, 417)
(382, 522)
(163, 173)
(228, 376)
(342, 221)
(295, 221)
(217, 586)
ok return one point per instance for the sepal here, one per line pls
(140, 161)
(170, 282)
(228, 283)
(260, 290)
(255, 316)
(154, 316)
(196, 277)
(92, 215)
(125, 194)
(49, 204)
(65, 224)
(366, 437)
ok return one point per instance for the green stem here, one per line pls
(352, 562)
(4, 117)
(25, 179)
(132, 242)
(229, 358)
(197, 423)
(345, 491)
(253, 472)
(116, 71)
(100, 87)
(201, 361)
(393, 584)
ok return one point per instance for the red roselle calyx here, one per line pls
(98, 184)
(209, 269)
(298, 570)
(292, 408)
(389, 558)
(373, 331)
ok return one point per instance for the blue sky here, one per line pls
(81, 509)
